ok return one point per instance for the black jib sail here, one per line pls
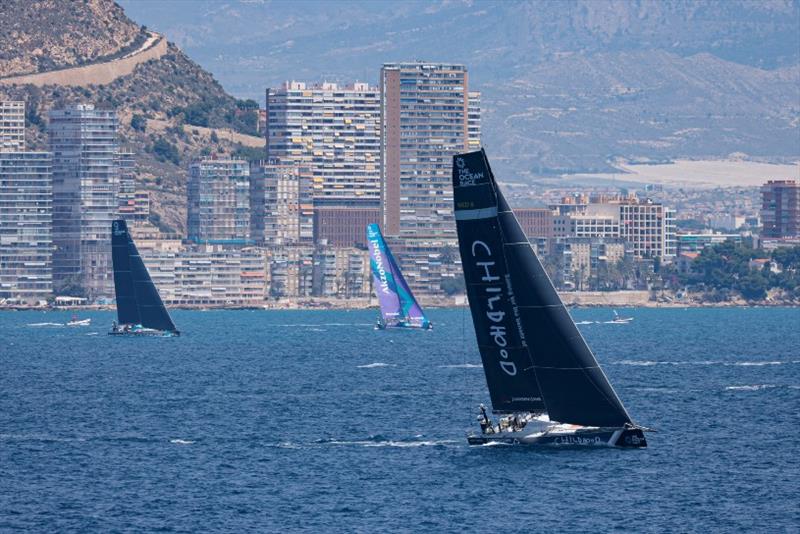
(534, 357)
(138, 302)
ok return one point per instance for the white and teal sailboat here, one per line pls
(399, 308)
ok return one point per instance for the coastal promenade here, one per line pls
(582, 299)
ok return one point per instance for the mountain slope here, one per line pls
(723, 69)
(42, 35)
(165, 107)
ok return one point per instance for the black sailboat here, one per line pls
(543, 379)
(140, 310)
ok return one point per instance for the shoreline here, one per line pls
(573, 299)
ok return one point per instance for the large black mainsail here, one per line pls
(138, 302)
(534, 357)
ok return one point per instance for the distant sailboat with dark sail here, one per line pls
(140, 311)
(399, 308)
(543, 379)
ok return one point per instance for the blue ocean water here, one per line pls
(312, 421)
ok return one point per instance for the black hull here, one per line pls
(628, 438)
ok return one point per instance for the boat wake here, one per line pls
(585, 322)
(375, 365)
(462, 366)
(45, 324)
(314, 325)
(381, 441)
(755, 387)
(181, 441)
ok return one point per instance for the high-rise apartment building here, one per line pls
(644, 225)
(332, 131)
(780, 208)
(219, 202)
(83, 141)
(12, 126)
(474, 120)
(26, 242)
(648, 227)
(282, 210)
(424, 122)
(343, 227)
(134, 203)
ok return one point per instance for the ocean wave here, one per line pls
(462, 366)
(45, 324)
(181, 441)
(648, 363)
(754, 387)
(375, 365)
(585, 322)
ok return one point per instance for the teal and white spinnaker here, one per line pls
(399, 308)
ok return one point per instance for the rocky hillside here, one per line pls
(171, 111)
(43, 35)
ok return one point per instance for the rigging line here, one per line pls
(464, 353)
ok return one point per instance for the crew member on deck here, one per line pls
(486, 424)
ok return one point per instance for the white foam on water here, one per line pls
(496, 444)
(181, 441)
(700, 362)
(404, 444)
(462, 366)
(45, 324)
(375, 365)
(92, 333)
(754, 387)
(586, 322)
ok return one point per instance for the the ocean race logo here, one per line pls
(465, 175)
(494, 298)
(116, 228)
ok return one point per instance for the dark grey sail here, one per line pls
(138, 301)
(530, 346)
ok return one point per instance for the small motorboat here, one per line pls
(79, 322)
(619, 320)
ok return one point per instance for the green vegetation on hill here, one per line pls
(725, 268)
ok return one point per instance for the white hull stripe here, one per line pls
(470, 215)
